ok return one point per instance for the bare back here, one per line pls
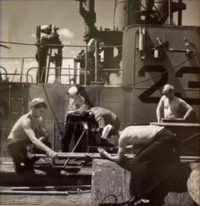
(135, 135)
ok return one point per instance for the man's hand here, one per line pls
(102, 153)
(70, 112)
(52, 154)
(44, 139)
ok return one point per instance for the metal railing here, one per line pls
(72, 74)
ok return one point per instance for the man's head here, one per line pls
(38, 106)
(72, 91)
(168, 90)
(45, 29)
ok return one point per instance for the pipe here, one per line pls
(33, 188)
(10, 192)
(170, 12)
(96, 69)
(76, 145)
(180, 14)
(97, 155)
(64, 155)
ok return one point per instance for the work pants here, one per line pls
(21, 151)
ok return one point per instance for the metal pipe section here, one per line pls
(60, 187)
(121, 14)
(22, 70)
(170, 12)
(96, 69)
(10, 192)
(97, 156)
(180, 14)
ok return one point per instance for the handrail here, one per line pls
(5, 71)
(18, 74)
(27, 73)
(84, 70)
(51, 68)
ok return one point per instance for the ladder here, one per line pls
(15, 102)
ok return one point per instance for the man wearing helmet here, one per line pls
(73, 128)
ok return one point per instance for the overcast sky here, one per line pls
(19, 19)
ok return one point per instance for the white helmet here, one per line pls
(72, 90)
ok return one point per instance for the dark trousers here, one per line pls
(72, 131)
(116, 124)
(153, 166)
(76, 124)
(19, 150)
(41, 58)
(74, 128)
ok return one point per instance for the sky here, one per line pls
(19, 19)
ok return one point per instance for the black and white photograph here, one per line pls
(100, 102)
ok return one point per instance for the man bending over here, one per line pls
(29, 134)
(156, 154)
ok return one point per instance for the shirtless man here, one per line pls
(156, 150)
(29, 133)
(169, 106)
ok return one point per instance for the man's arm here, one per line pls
(99, 119)
(80, 105)
(188, 108)
(117, 158)
(159, 110)
(31, 135)
(82, 108)
(44, 134)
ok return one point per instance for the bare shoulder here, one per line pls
(181, 100)
(163, 98)
(23, 121)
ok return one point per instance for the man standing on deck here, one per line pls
(29, 135)
(46, 35)
(156, 155)
(171, 107)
